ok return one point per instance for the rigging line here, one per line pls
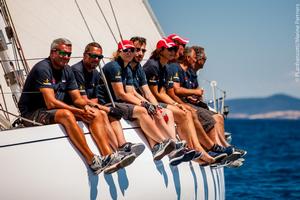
(86, 25)
(106, 84)
(21, 92)
(6, 115)
(101, 71)
(29, 59)
(105, 19)
(4, 101)
(116, 21)
(16, 38)
(19, 80)
(23, 118)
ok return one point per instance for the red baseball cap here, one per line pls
(177, 38)
(125, 44)
(165, 42)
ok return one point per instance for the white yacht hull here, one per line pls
(41, 163)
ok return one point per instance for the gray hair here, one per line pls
(199, 51)
(59, 41)
(187, 52)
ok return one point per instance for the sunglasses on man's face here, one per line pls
(140, 49)
(132, 50)
(173, 49)
(94, 56)
(62, 53)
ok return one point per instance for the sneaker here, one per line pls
(237, 163)
(181, 155)
(241, 151)
(217, 156)
(189, 154)
(180, 144)
(197, 155)
(220, 149)
(161, 149)
(176, 157)
(136, 148)
(119, 161)
(98, 164)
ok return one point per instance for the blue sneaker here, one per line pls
(189, 154)
(217, 156)
(220, 149)
(176, 156)
(197, 155)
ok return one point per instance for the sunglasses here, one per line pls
(132, 50)
(62, 53)
(172, 49)
(139, 49)
(94, 56)
(204, 59)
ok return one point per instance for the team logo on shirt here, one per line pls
(81, 87)
(170, 81)
(153, 79)
(118, 75)
(176, 75)
(47, 82)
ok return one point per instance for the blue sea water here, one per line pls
(272, 166)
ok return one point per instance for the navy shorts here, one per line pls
(205, 117)
(127, 110)
(42, 116)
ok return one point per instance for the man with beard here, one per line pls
(156, 72)
(42, 100)
(88, 78)
(163, 116)
(186, 88)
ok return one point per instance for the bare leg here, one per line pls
(214, 136)
(68, 120)
(203, 137)
(118, 131)
(99, 127)
(167, 131)
(187, 131)
(151, 142)
(171, 121)
(147, 124)
(220, 129)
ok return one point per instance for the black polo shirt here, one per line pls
(116, 72)
(156, 74)
(86, 81)
(187, 79)
(138, 77)
(43, 75)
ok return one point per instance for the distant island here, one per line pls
(278, 106)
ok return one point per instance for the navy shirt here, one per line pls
(156, 74)
(187, 79)
(43, 75)
(116, 72)
(138, 77)
(86, 81)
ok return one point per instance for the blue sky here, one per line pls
(250, 45)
